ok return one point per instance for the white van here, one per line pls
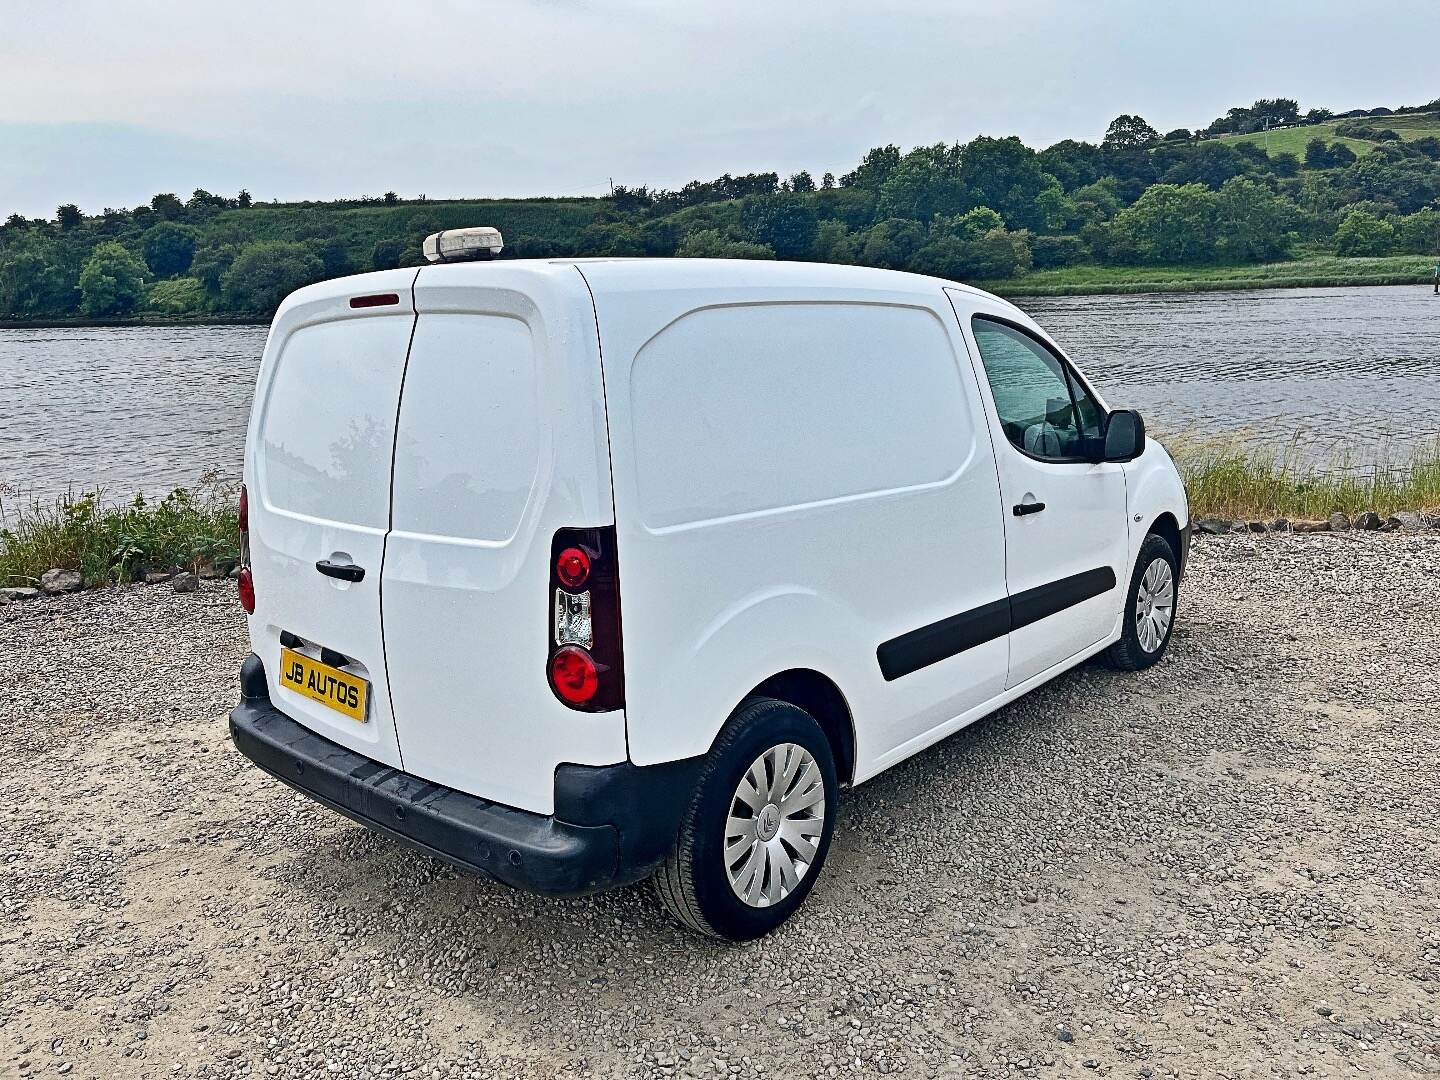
(571, 571)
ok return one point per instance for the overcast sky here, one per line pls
(105, 104)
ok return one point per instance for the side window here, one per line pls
(1044, 409)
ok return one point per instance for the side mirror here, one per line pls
(1124, 436)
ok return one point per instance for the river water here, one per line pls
(151, 408)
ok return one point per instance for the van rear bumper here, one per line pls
(613, 824)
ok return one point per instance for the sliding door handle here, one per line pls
(1021, 509)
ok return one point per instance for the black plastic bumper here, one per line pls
(613, 824)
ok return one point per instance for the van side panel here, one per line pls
(801, 474)
(500, 441)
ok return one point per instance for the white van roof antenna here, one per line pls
(462, 245)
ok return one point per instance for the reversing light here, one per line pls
(574, 675)
(572, 567)
(458, 245)
(573, 624)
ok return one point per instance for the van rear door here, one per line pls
(318, 465)
(501, 441)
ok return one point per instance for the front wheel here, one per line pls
(758, 826)
(1149, 607)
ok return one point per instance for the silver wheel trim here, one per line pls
(772, 832)
(1154, 605)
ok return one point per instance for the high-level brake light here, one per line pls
(459, 245)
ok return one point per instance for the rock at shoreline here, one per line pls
(61, 581)
(1256, 526)
(1369, 521)
(186, 582)
(1408, 519)
(17, 593)
(1214, 526)
(1339, 522)
(1280, 525)
(1309, 526)
(156, 577)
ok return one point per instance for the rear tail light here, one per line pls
(585, 661)
(574, 675)
(245, 586)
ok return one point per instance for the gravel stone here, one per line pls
(61, 581)
(1221, 843)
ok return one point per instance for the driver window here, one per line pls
(1043, 410)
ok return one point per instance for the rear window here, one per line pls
(468, 448)
(329, 423)
(761, 407)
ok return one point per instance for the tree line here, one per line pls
(987, 210)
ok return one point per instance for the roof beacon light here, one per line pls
(460, 245)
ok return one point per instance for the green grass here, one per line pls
(110, 542)
(1312, 271)
(1293, 140)
(1228, 479)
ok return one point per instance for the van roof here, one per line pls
(676, 274)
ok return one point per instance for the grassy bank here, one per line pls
(1315, 271)
(113, 542)
(1229, 480)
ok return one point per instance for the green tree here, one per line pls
(1127, 132)
(1363, 233)
(802, 182)
(176, 296)
(786, 224)
(874, 168)
(168, 206)
(69, 216)
(210, 264)
(891, 243)
(113, 281)
(1169, 224)
(1419, 233)
(1074, 164)
(1006, 175)
(385, 255)
(264, 273)
(713, 244)
(1252, 223)
(991, 256)
(169, 248)
(243, 200)
(926, 182)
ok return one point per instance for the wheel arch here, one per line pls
(818, 695)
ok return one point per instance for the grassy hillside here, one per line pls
(1312, 271)
(1292, 140)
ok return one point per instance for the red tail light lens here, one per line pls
(246, 587)
(244, 509)
(574, 675)
(586, 664)
(572, 567)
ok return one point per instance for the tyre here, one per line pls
(1150, 607)
(758, 826)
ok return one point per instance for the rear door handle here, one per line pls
(343, 571)
(1021, 509)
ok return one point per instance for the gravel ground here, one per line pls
(1225, 866)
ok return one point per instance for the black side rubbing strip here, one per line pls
(1041, 602)
(928, 645)
(916, 649)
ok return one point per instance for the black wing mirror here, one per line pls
(1124, 436)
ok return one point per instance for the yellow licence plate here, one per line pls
(323, 683)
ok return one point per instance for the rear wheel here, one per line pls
(758, 826)
(1149, 607)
